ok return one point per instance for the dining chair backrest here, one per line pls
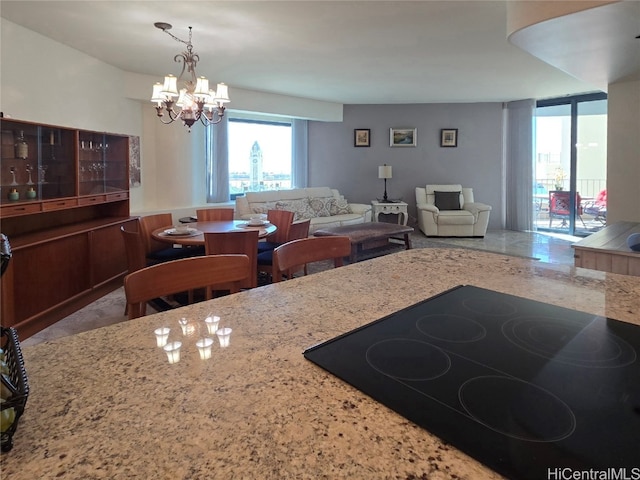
(134, 249)
(299, 230)
(214, 214)
(282, 219)
(293, 256)
(208, 272)
(244, 242)
(150, 223)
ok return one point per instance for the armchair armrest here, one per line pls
(428, 207)
(476, 207)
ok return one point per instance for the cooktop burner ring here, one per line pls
(512, 407)
(407, 359)
(569, 342)
(489, 306)
(451, 328)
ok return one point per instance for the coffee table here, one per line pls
(364, 236)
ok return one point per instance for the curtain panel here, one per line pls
(217, 151)
(519, 154)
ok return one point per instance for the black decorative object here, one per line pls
(14, 385)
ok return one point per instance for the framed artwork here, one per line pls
(135, 179)
(362, 137)
(449, 137)
(403, 137)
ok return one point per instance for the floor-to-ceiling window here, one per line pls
(571, 164)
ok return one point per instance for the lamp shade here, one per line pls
(384, 171)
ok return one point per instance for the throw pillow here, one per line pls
(447, 200)
(339, 206)
(321, 206)
(300, 208)
(262, 207)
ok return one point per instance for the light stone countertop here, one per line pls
(106, 404)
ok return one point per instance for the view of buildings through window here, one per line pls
(259, 156)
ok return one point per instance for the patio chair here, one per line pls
(560, 207)
(598, 207)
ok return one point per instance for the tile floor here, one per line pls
(545, 247)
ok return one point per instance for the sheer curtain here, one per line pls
(299, 153)
(519, 164)
(217, 151)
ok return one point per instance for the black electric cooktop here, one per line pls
(522, 386)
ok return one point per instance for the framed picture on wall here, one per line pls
(449, 137)
(403, 137)
(362, 137)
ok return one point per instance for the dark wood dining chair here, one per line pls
(214, 214)
(245, 242)
(293, 256)
(159, 251)
(282, 219)
(265, 258)
(209, 272)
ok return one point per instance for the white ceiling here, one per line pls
(348, 52)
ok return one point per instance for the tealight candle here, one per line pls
(224, 336)
(173, 351)
(212, 323)
(204, 347)
(162, 335)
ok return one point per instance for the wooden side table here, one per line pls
(397, 208)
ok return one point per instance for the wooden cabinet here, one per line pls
(64, 196)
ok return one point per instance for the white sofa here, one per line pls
(466, 218)
(323, 205)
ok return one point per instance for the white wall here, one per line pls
(47, 82)
(623, 152)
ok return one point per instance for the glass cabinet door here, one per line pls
(36, 162)
(56, 171)
(103, 163)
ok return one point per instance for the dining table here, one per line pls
(195, 235)
(107, 403)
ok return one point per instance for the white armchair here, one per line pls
(450, 211)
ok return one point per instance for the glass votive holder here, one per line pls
(212, 324)
(204, 347)
(184, 323)
(162, 335)
(224, 336)
(173, 351)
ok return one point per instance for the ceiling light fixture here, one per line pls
(194, 99)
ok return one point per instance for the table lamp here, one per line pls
(384, 171)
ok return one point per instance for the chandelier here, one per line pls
(194, 99)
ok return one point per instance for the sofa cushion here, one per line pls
(455, 217)
(321, 205)
(447, 200)
(339, 206)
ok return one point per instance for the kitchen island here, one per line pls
(107, 404)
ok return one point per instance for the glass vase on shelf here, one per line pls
(22, 148)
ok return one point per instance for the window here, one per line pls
(571, 155)
(259, 156)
